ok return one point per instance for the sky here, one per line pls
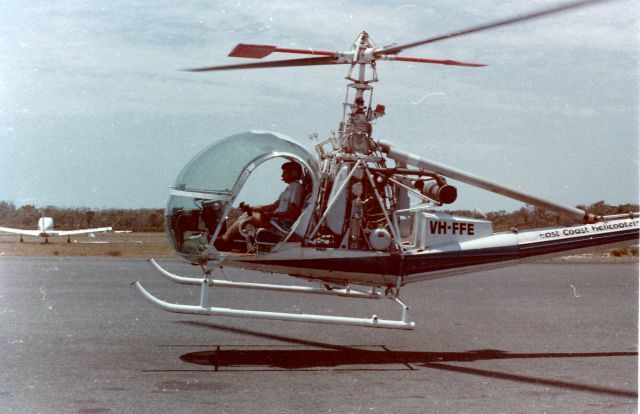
(96, 111)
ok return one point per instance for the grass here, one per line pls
(143, 245)
(625, 252)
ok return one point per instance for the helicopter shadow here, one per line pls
(372, 358)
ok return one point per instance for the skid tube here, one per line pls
(204, 309)
(197, 281)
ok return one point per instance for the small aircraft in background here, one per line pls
(45, 229)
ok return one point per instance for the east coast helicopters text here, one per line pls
(593, 228)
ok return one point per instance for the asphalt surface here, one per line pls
(77, 338)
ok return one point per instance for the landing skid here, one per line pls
(207, 282)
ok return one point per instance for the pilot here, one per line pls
(283, 212)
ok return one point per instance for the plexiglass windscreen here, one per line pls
(207, 184)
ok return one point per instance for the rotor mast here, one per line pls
(355, 129)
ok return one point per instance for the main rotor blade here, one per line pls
(325, 60)
(259, 51)
(492, 25)
(436, 61)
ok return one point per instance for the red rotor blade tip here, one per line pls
(252, 51)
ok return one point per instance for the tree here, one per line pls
(90, 214)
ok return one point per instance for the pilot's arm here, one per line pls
(293, 194)
(266, 208)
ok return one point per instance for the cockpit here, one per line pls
(207, 189)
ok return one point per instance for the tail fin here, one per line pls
(45, 223)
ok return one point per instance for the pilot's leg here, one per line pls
(233, 232)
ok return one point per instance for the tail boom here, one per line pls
(510, 248)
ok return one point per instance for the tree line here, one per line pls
(26, 216)
(529, 216)
(152, 220)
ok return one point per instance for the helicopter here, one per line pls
(357, 234)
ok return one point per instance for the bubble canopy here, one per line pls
(208, 185)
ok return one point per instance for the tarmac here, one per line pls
(536, 338)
